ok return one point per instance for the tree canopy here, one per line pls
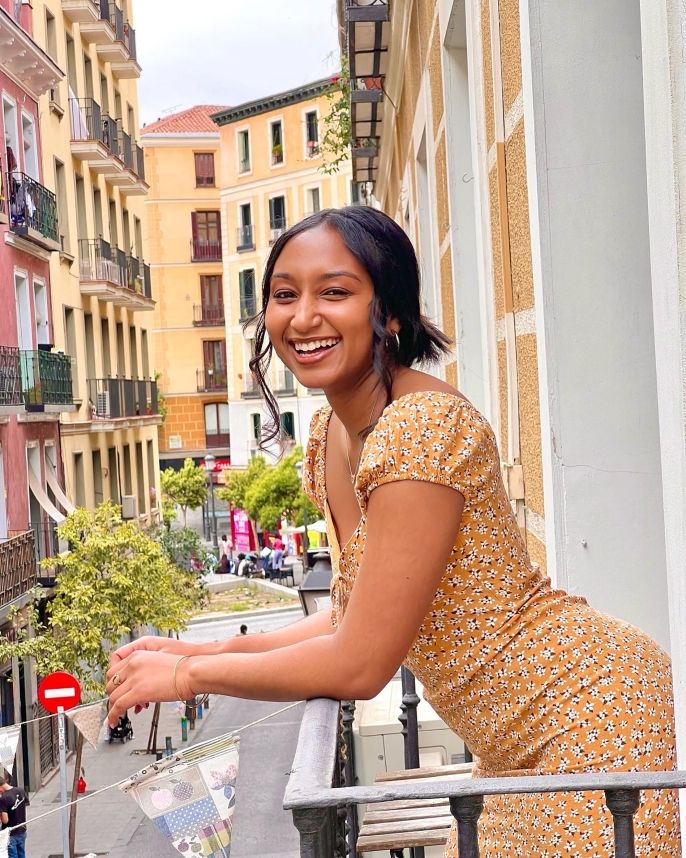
(187, 487)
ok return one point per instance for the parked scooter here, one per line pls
(122, 731)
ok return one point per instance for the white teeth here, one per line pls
(313, 345)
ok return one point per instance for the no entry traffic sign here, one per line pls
(59, 689)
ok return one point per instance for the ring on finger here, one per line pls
(116, 679)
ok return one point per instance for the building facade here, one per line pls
(184, 245)
(101, 288)
(35, 377)
(533, 154)
(271, 177)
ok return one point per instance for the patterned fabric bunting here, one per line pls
(9, 737)
(4, 842)
(88, 720)
(190, 796)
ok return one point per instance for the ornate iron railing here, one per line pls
(118, 398)
(211, 379)
(46, 379)
(244, 237)
(18, 571)
(206, 250)
(3, 200)
(208, 314)
(10, 377)
(125, 146)
(31, 206)
(323, 799)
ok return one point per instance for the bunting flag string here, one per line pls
(88, 720)
(4, 842)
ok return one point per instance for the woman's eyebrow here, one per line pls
(282, 275)
(332, 275)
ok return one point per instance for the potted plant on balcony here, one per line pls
(277, 153)
(33, 397)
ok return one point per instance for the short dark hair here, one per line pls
(387, 255)
(244, 628)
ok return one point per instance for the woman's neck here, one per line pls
(358, 406)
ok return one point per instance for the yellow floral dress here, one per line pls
(534, 680)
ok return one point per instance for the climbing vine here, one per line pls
(336, 125)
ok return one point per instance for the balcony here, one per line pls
(251, 388)
(21, 57)
(210, 379)
(128, 174)
(18, 570)
(208, 315)
(93, 136)
(285, 382)
(11, 401)
(323, 796)
(32, 212)
(206, 250)
(366, 10)
(367, 90)
(93, 18)
(107, 273)
(46, 381)
(120, 50)
(122, 398)
(277, 227)
(245, 239)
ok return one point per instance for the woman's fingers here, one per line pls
(140, 678)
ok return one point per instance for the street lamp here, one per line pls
(306, 544)
(209, 470)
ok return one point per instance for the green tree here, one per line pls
(187, 488)
(239, 482)
(337, 125)
(278, 492)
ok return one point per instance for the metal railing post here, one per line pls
(467, 809)
(311, 823)
(623, 804)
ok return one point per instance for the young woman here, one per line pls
(532, 679)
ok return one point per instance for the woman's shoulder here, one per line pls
(319, 422)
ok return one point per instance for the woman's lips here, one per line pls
(314, 356)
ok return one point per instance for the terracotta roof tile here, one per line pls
(186, 121)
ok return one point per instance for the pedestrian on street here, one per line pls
(13, 803)
(534, 680)
(243, 629)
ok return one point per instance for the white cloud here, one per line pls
(230, 51)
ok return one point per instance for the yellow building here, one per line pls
(271, 178)
(101, 291)
(184, 245)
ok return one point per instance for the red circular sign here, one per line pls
(59, 689)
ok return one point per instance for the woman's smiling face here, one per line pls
(318, 314)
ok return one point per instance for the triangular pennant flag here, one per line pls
(4, 842)
(191, 795)
(9, 737)
(88, 720)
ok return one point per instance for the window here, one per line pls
(204, 169)
(217, 424)
(256, 428)
(98, 491)
(28, 133)
(243, 151)
(277, 217)
(288, 425)
(206, 227)
(313, 203)
(214, 362)
(245, 239)
(50, 35)
(79, 481)
(246, 291)
(211, 300)
(140, 480)
(312, 133)
(276, 135)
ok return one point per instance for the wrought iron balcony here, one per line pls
(20, 55)
(87, 12)
(365, 147)
(32, 211)
(367, 89)
(277, 226)
(323, 798)
(18, 569)
(122, 398)
(11, 401)
(206, 315)
(94, 136)
(46, 544)
(46, 381)
(210, 379)
(245, 239)
(366, 10)
(206, 250)
(109, 274)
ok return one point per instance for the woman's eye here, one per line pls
(282, 294)
(336, 292)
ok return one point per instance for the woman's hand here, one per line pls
(142, 677)
(154, 643)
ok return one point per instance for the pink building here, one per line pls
(35, 381)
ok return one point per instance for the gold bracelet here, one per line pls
(176, 688)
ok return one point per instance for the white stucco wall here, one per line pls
(594, 306)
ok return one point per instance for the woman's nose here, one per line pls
(305, 316)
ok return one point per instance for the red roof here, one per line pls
(186, 121)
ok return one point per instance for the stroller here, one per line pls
(123, 731)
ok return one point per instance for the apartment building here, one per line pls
(185, 250)
(35, 377)
(270, 178)
(101, 287)
(534, 155)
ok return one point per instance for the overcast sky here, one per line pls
(229, 51)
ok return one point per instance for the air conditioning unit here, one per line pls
(128, 507)
(102, 403)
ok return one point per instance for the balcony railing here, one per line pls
(139, 162)
(244, 165)
(46, 544)
(125, 146)
(18, 571)
(120, 398)
(211, 379)
(46, 381)
(366, 10)
(323, 798)
(105, 270)
(205, 315)
(32, 210)
(251, 387)
(244, 237)
(206, 250)
(3, 201)
(285, 381)
(248, 306)
(277, 226)
(10, 379)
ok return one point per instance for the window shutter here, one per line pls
(272, 211)
(204, 168)
(194, 225)
(207, 354)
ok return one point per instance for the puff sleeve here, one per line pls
(313, 459)
(432, 437)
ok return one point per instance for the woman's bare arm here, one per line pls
(386, 608)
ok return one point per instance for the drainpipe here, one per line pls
(512, 466)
